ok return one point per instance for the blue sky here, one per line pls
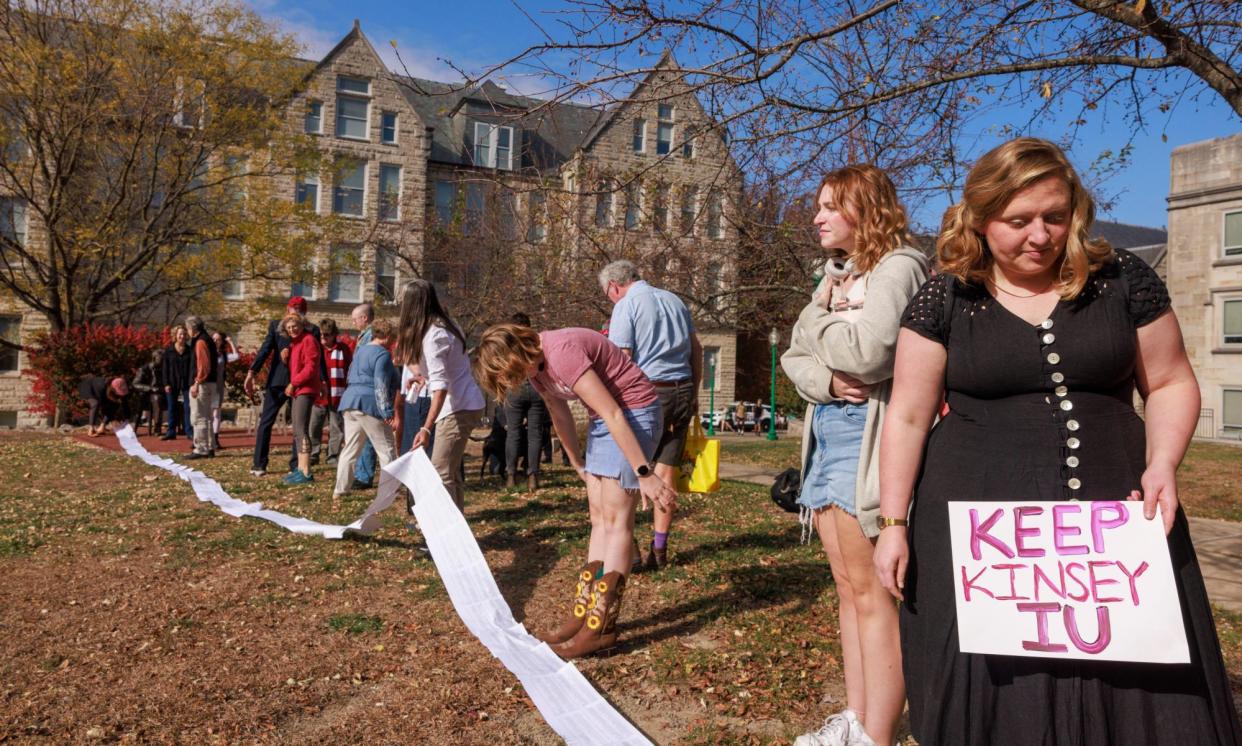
(473, 35)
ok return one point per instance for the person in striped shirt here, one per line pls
(327, 407)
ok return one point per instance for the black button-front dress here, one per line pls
(1045, 412)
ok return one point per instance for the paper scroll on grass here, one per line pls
(1088, 580)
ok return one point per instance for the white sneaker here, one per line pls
(836, 731)
(258, 473)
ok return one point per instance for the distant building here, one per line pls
(1149, 244)
(1204, 274)
(434, 180)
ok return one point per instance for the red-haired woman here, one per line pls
(841, 360)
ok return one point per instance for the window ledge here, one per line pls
(1227, 350)
(1228, 261)
(351, 138)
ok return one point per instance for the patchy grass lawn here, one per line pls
(132, 613)
(752, 450)
(1210, 481)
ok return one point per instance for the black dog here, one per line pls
(494, 447)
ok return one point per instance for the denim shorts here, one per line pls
(832, 468)
(604, 457)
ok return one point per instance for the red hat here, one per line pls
(297, 303)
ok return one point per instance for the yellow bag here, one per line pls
(700, 462)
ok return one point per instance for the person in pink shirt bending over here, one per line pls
(625, 425)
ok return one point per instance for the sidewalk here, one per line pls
(1217, 543)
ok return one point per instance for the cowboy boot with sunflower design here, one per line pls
(582, 603)
(599, 629)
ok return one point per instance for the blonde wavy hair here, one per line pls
(292, 316)
(867, 198)
(504, 353)
(990, 185)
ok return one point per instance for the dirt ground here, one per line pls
(132, 613)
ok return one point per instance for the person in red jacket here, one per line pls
(305, 383)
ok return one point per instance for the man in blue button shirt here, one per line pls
(654, 328)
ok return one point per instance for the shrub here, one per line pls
(59, 361)
(235, 378)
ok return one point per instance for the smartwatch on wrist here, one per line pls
(643, 470)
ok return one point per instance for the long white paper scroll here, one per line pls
(1087, 580)
(567, 701)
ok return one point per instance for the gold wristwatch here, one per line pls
(884, 522)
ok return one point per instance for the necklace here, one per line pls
(1010, 293)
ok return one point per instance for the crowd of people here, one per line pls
(1005, 369)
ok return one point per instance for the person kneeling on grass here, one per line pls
(367, 405)
(568, 364)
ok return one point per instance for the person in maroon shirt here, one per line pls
(625, 425)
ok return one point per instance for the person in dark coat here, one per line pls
(176, 375)
(149, 383)
(108, 399)
(274, 396)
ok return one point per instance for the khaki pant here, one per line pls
(200, 415)
(360, 427)
(452, 435)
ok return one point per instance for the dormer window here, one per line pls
(353, 108)
(664, 130)
(493, 146)
(357, 86)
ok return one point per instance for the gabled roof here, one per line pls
(1124, 236)
(666, 61)
(355, 34)
(558, 129)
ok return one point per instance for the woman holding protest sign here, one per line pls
(625, 423)
(841, 359)
(1039, 335)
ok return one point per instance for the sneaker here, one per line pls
(168, 436)
(359, 485)
(837, 730)
(258, 472)
(298, 477)
(196, 455)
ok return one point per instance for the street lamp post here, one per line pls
(774, 339)
(711, 397)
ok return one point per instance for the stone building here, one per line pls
(497, 198)
(1204, 274)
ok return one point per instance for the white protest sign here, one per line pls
(1089, 580)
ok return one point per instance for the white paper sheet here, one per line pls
(567, 701)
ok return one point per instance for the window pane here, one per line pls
(308, 193)
(347, 198)
(385, 275)
(388, 127)
(640, 134)
(687, 149)
(689, 199)
(233, 290)
(664, 138)
(659, 212)
(353, 85)
(715, 218)
(345, 284)
(390, 192)
(711, 368)
(314, 118)
(1233, 409)
(504, 147)
(633, 204)
(603, 205)
(10, 331)
(474, 208)
(482, 144)
(446, 195)
(1233, 231)
(13, 219)
(351, 117)
(538, 226)
(1233, 321)
(666, 111)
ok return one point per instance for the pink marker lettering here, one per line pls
(1021, 533)
(1099, 522)
(979, 533)
(1039, 573)
(1098, 583)
(971, 584)
(1069, 571)
(1062, 532)
(1044, 644)
(1102, 638)
(1013, 592)
(1132, 577)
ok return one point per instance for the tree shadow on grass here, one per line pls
(749, 588)
(773, 541)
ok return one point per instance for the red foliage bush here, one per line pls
(59, 361)
(235, 378)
